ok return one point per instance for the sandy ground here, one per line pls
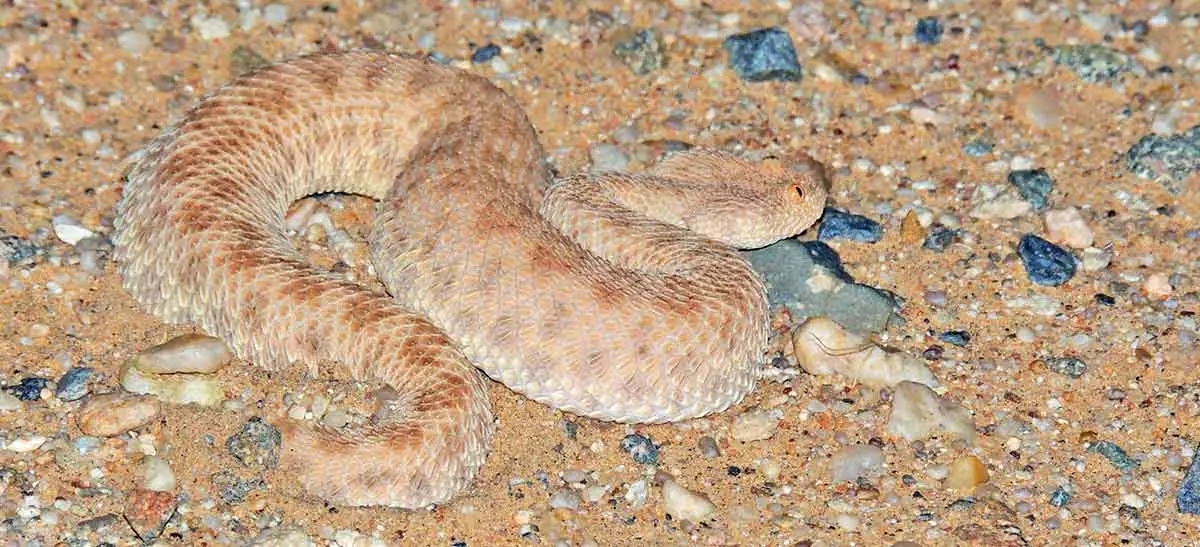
(87, 83)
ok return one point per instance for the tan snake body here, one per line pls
(614, 296)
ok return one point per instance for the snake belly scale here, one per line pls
(614, 296)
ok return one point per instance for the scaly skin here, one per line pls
(613, 296)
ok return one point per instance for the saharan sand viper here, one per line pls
(615, 296)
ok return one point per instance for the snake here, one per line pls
(611, 295)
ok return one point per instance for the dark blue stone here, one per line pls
(1188, 498)
(30, 389)
(929, 30)
(941, 238)
(1034, 185)
(1059, 497)
(764, 54)
(839, 224)
(824, 256)
(641, 449)
(956, 337)
(73, 385)
(1045, 263)
(485, 53)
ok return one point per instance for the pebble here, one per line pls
(1167, 159)
(26, 443)
(1034, 186)
(1040, 107)
(189, 353)
(918, 413)
(1187, 499)
(997, 202)
(854, 461)
(1092, 62)
(112, 414)
(282, 536)
(756, 425)
(256, 445)
(485, 53)
(941, 238)
(966, 473)
(640, 448)
(1158, 285)
(1045, 263)
(1093, 259)
(233, 489)
(808, 279)
(1067, 226)
(275, 14)
(762, 55)
(824, 348)
(9, 402)
(708, 447)
(928, 30)
(1072, 367)
(1114, 454)
(683, 504)
(956, 337)
(637, 492)
(147, 512)
(157, 474)
(608, 157)
(641, 50)
(565, 498)
(29, 389)
(809, 22)
(1060, 497)
(837, 224)
(134, 42)
(213, 28)
(73, 385)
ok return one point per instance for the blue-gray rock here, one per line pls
(1072, 367)
(1188, 497)
(30, 389)
(928, 31)
(17, 250)
(1092, 62)
(256, 445)
(941, 238)
(977, 149)
(956, 337)
(1060, 497)
(1169, 160)
(74, 384)
(1034, 185)
(788, 269)
(642, 51)
(233, 489)
(640, 448)
(1045, 263)
(1114, 454)
(485, 53)
(837, 224)
(763, 54)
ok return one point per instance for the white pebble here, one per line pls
(854, 461)
(1094, 259)
(847, 522)
(918, 412)
(822, 347)
(26, 443)
(275, 14)
(69, 231)
(189, 353)
(1067, 226)
(134, 41)
(756, 425)
(997, 202)
(213, 28)
(681, 503)
(8, 401)
(112, 414)
(158, 474)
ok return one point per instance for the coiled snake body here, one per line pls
(614, 296)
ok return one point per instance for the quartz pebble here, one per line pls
(995, 202)
(683, 504)
(756, 425)
(134, 42)
(9, 402)
(966, 473)
(854, 461)
(173, 371)
(112, 414)
(157, 474)
(1067, 226)
(823, 348)
(1158, 285)
(918, 413)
